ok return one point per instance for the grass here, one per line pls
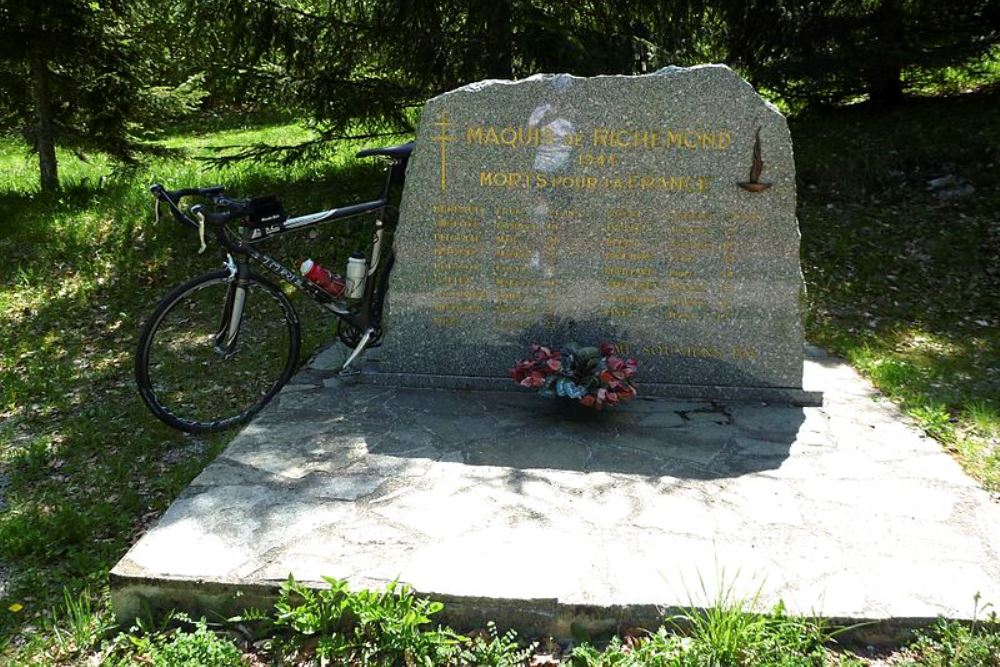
(181, 643)
(901, 282)
(904, 282)
(337, 626)
(952, 644)
(88, 468)
(395, 627)
(980, 72)
(77, 626)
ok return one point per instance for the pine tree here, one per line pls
(67, 69)
(368, 64)
(829, 52)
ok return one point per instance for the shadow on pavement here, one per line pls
(650, 437)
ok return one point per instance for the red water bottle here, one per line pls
(331, 283)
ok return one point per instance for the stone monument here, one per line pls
(656, 212)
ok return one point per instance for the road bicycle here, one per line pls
(218, 348)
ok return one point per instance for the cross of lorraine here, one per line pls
(443, 138)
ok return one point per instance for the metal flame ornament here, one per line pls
(754, 184)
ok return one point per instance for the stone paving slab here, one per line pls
(508, 507)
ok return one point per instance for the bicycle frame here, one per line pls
(358, 314)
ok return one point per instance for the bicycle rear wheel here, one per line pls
(196, 373)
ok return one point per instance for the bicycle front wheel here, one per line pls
(214, 352)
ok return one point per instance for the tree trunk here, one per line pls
(885, 75)
(498, 51)
(885, 86)
(45, 125)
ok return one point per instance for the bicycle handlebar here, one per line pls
(175, 195)
(234, 207)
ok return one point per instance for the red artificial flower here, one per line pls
(536, 379)
(520, 370)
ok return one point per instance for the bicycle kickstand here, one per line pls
(354, 355)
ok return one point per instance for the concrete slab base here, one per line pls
(513, 508)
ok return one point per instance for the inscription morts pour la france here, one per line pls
(612, 208)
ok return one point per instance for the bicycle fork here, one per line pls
(232, 311)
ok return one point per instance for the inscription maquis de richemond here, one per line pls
(600, 148)
(558, 208)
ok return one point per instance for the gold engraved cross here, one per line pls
(443, 139)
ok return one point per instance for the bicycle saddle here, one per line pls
(400, 152)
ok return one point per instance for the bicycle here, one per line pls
(218, 348)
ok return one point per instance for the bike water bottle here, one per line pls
(357, 270)
(329, 281)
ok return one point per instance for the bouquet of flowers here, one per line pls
(594, 376)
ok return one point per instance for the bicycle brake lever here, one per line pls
(201, 231)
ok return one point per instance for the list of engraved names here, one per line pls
(511, 266)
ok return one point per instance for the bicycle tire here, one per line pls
(351, 336)
(187, 380)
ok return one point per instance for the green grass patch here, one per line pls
(978, 73)
(393, 626)
(902, 276)
(88, 468)
(181, 643)
(728, 628)
(953, 644)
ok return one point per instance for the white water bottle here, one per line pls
(357, 270)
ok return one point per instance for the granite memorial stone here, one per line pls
(653, 211)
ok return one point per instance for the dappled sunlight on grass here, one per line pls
(89, 468)
(982, 72)
(280, 134)
(983, 417)
(19, 168)
(923, 342)
(902, 280)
